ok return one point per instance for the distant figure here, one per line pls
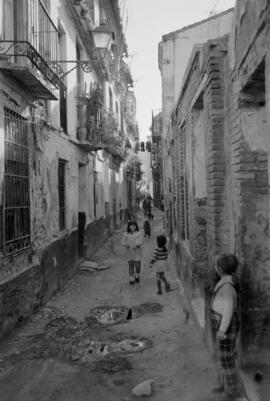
(138, 202)
(132, 241)
(159, 263)
(147, 227)
(225, 324)
(162, 204)
(147, 205)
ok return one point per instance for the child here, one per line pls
(159, 261)
(147, 227)
(133, 240)
(225, 323)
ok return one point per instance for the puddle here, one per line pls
(118, 345)
(77, 341)
(107, 315)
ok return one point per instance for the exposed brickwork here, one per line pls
(249, 172)
(214, 100)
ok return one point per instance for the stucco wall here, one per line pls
(175, 51)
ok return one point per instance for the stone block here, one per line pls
(144, 388)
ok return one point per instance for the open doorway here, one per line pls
(81, 211)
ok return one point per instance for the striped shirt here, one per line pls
(159, 254)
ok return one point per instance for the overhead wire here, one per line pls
(213, 8)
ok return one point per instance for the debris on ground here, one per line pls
(89, 263)
(144, 388)
(90, 266)
(129, 315)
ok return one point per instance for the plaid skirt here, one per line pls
(226, 348)
(227, 352)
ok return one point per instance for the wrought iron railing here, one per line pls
(35, 37)
(16, 208)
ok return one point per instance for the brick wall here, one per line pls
(249, 128)
(214, 100)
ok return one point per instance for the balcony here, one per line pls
(26, 54)
(100, 130)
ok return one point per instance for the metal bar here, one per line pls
(16, 207)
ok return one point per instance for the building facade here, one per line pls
(157, 173)
(173, 54)
(220, 153)
(63, 136)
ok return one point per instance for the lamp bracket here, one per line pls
(86, 65)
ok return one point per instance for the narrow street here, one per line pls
(76, 349)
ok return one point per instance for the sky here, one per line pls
(144, 23)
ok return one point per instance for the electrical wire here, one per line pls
(212, 11)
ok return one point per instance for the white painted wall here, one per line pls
(175, 50)
(60, 15)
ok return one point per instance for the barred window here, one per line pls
(16, 207)
(61, 194)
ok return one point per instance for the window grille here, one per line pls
(61, 194)
(16, 210)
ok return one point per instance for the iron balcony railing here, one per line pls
(35, 37)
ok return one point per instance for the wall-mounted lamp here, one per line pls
(102, 36)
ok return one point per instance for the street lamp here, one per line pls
(102, 36)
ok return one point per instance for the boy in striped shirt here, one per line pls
(159, 263)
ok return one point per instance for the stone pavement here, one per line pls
(81, 347)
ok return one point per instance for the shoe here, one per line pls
(159, 292)
(131, 282)
(137, 279)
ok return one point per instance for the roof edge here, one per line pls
(170, 35)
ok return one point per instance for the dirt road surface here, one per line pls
(81, 347)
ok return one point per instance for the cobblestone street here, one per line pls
(81, 347)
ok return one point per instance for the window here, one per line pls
(61, 193)
(63, 108)
(16, 206)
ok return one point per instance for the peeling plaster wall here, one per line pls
(249, 138)
(252, 225)
(46, 189)
(29, 278)
(249, 16)
(68, 52)
(255, 128)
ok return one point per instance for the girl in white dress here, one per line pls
(132, 240)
